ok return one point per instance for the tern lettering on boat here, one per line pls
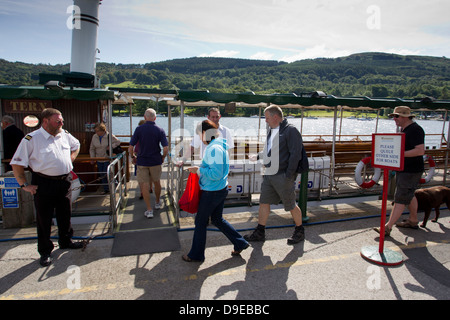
(26, 106)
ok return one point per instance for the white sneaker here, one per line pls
(149, 214)
(159, 205)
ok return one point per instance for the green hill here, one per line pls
(366, 74)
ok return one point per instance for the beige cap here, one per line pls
(402, 111)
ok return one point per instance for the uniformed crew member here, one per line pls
(49, 152)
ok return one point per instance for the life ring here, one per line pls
(76, 186)
(430, 174)
(358, 174)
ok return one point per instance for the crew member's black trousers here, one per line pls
(53, 196)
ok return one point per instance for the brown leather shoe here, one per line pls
(387, 231)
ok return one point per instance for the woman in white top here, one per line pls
(98, 148)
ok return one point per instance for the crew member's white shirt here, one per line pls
(46, 154)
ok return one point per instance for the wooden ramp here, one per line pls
(127, 243)
(136, 234)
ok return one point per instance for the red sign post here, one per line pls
(387, 154)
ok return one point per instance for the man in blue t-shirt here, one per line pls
(149, 159)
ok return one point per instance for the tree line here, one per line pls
(365, 74)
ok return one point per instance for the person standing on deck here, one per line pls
(149, 159)
(99, 149)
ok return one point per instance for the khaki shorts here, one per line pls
(276, 188)
(148, 174)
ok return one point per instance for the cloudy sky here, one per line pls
(142, 31)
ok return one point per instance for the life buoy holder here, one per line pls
(430, 173)
(358, 174)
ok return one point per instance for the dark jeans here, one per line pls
(53, 197)
(211, 205)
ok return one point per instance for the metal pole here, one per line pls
(259, 123)
(303, 195)
(443, 128)
(301, 121)
(170, 167)
(182, 116)
(333, 149)
(130, 112)
(110, 127)
(446, 156)
(376, 124)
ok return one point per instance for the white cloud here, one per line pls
(404, 52)
(307, 29)
(221, 54)
(319, 51)
(288, 30)
(262, 56)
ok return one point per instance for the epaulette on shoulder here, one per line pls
(28, 137)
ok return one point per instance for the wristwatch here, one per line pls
(24, 185)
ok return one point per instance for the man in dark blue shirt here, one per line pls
(149, 160)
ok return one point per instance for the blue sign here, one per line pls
(10, 198)
(239, 188)
(9, 183)
(310, 184)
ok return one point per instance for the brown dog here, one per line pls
(430, 198)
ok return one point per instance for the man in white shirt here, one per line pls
(225, 133)
(49, 152)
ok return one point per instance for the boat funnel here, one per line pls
(84, 36)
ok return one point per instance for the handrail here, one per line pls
(174, 176)
(339, 136)
(116, 174)
(355, 136)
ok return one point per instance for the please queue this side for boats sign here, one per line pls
(388, 151)
(388, 154)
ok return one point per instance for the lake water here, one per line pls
(248, 127)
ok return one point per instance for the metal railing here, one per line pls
(174, 186)
(91, 202)
(177, 177)
(117, 181)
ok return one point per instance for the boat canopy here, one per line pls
(46, 93)
(292, 100)
(311, 99)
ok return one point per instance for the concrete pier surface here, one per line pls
(326, 266)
